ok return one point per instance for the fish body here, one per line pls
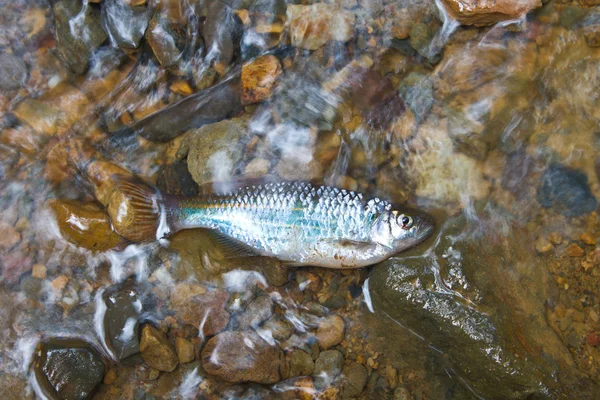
(296, 222)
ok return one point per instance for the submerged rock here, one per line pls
(567, 190)
(330, 331)
(300, 363)
(85, 225)
(216, 150)
(495, 337)
(258, 78)
(125, 22)
(260, 310)
(355, 379)
(200, 308)
(314, 25)
(68, 368)
(327, 368)
(78, 33)
(121, 319)
(13, 71)
(487, 12)
(590, 26)
(166, 43)
(156, 350)
(242, 357)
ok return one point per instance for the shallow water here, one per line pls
(494, 130)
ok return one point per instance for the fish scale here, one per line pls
(282, 217)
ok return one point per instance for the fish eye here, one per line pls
(406, 222)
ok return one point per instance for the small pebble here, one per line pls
(542, 245)
(555, 237)
(574, 250)
(592, 339)
(594, 316)
(39, 271)
(110, 377)
(588, 238)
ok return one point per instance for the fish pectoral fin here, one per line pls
(231, 248)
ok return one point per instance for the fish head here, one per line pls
(401, 230)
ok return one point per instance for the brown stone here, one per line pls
(330, 331)
(9, 236)
(313, 26)
(555, 237)
(185, 350)
(258, 78)
(543, 246)
(84, 224)
(242, 357)
(574, 250)
(38, 271)
(487, 12)
(181, 87)
(157, 352)
(43, 118)
(184, 292)
(205, 311)
(588, 238)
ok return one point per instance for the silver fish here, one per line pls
(295, 222)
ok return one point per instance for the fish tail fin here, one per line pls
(140, 212)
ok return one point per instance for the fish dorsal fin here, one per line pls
(231, 248)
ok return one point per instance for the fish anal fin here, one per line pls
(231, 248)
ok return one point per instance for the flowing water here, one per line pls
(483, 114)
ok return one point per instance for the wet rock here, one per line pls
(573, 250)
(176, 179)
(10, 236)
(220, 32)
(590, 26)
(185, 350)
(417, 92)
(85, 225)
(478, 13)
(38, 271)
(68, 369)
(314, 25)
(31, 286)
(78, 33)
(330, 331)
(260, 310)
(157, 352)
(543, 246)
(566, 190)
(216, 150)
(44, 119)
(203, 310)
(13, 71)
(257, 168)
(327, 368)
(294, 169)
(124, 22)
(121, 319)
(355, 379)
(480, 346)
(300, 363)
(279, 328)
(242, 357)
(164, 40)
(258, 78)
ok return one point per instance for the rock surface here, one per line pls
(258, 78)
(78, 33)
(13, 72)
(85, 225)
(216, 150)
(68, 369)
(567, 190)
(313, 26)
(200, 308)
(330, 331)
(121, 319)
(156, 350)
(242, 357)
(487, 12)
(327, 368)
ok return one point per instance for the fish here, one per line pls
(299, 223)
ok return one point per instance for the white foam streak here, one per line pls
(367, 295)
